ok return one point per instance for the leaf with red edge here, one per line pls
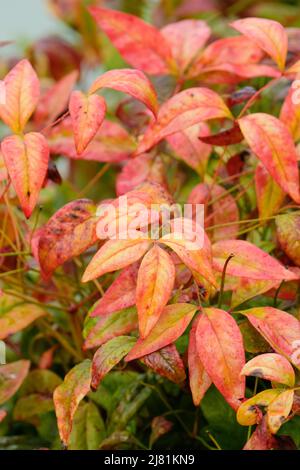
(195, 253)
(261, 439)
(87, 113)
(11, 378)
(280, 329)
(112, 143)
(248, 261)
(249, 413)
(16, 315)
(186, 39)
(22, 89)
(114, 255)
(167, 363)
(108, 356)
(279, 410)
(26, 159)
(55, 100)
(111, 325)
(155, 283)
(198, 377)
(220, 349)
(172, 323)
(184, 110)
(269, 194)
(67, 234)
(272, 367)
(288, 234)
(290, 111)
(139, 43)
(228, 137)
(273, 144)
(269, 35)
(119, 295)
(68, 395)
(132, 82)
(188, 146)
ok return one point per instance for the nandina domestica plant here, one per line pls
(150, 234)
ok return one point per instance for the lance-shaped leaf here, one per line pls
(172, 323)
(244, 288)
(68, 233)
(109, 326)
(55, 100)
(108, 356)
(188, 146)
(220, 349)
(132, 82)
(182, 111)
(248, 261)
(87, 113)
(271, 367)
(271, 141)
(139, 43)
(269, 194)
(119, 295)
(189, 241)
(16, 315)
(279, 409)
(186, 39)
(280, 329)
(26, 159)
(198, 377)
(69, 394)
(11, 378)
(269, 35)
(290, 111)
(155, 283)
(114, 255)
(112, 143)
(249, 413)
(167, 363)
(288, 233)
(22, 90)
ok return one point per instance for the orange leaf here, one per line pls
(269, 194)
(273, 144)
(279, 409)
(288, 234)
(87, 114)
(22, 94)
(220, 348)
(26, 159)
(199, 379)
(132, 82)
(155, 283)
(69, 394)
(280, 329)
(11, 378)
(272, 367)
(290, 110)
(172, 323)
(184, 110)
(269, 35)
(139, 43)
(248, 261)
(114, 255)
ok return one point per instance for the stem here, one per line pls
(223, 279)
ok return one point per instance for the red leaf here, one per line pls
(155, 283)
(22, 94)
(167, 363)
(26, 159)
(269, 35)
(139, 43)
(199, 379)
(87, 114)
(11, 378)
(182, 111)
(269, 194)
(220, 348)
(172, 323)
(228, 137)
(272, 143)
(132, 82)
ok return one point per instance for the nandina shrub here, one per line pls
(122, 330)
